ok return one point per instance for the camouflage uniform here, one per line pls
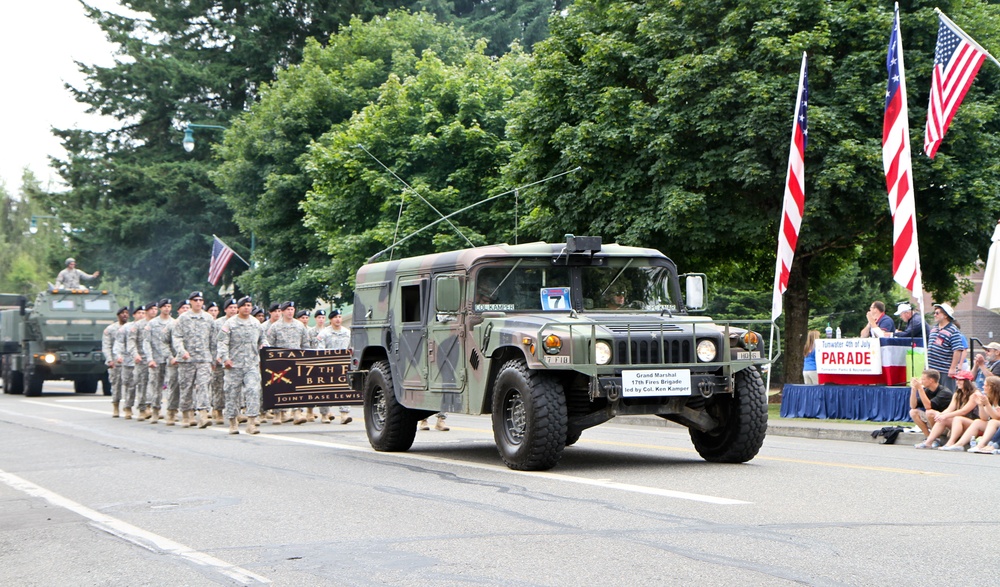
(158, 331)
(124, 358)
(192, 333)
(139, 336)
(239, 341)
(288, 335)
(70, 278)
(217, 386)
(335, 340)
(114, 371)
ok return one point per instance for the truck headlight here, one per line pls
(49, 358)
(552, 344)
(603, 352)
(706, 351)
(750, 340)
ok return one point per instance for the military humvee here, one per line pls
(551, 339)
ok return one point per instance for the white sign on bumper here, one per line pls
(656, 382)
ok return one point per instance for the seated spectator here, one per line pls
(809, 373)
(985, 366)
(957, 417)
(879, 324)
(989, 418)
(913, 323)
(927, 399)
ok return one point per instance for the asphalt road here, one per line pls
(90, 500)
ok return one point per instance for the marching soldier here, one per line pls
(337, 338)
(239, 352)
(125, 354)
(288, 333)
(217, 385)
(192, 341)
(258, 313)
(107, 348)
(159, 354)
(141, 356)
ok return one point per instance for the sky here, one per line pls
(39, 42)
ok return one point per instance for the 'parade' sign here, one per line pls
(294, 378)
(848, 356)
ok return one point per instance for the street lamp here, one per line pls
(33, 228)
(188, 140)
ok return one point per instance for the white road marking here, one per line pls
(138, 536)
(603, 483)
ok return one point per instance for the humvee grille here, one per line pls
(645, 352)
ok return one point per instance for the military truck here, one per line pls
(58, 337)
(552, 339)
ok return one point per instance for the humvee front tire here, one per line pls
(743, 422)
(529, 418)
(33, 382)
(390, 426)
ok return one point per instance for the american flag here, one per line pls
(956, 61)
(898, 173)
(795, 195)
(221, 254)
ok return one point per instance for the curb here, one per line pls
(825, 432)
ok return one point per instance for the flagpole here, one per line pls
(968, 39)
(235, 254)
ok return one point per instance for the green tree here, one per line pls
(29, 259)
(263, 175)
(679, 114)
(444, 131)
(146, 208)
(501, 22)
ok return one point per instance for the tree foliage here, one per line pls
(263, 175)
(679, 113)
(29, 259)
(443, 131)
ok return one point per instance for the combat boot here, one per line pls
(310, 416)
(422, 425)
(154, 415)
(242, 418)
(284, 415)
(144, 414)
(345, 419)
(300, 418)
(326, 418)
(114, 410)
(277, 417)
(440, 425)
(128, 413)
(252, 425)
(234, 426)
(171, 417)
(186, 418)
(204, 419)
(217, 416)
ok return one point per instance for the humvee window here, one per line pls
(410, 300)
(63, 305)
(508, 288)
(97, 305)
(627, 287)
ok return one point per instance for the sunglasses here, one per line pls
(197, 299)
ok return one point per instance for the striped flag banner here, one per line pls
(795, 195)
(221, 254)
(957, 59)
(898, 172)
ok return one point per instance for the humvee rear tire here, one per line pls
(88, 385)
(390, 426)
(33, 381)
(529, 418)
(13, 382)
(743, 418)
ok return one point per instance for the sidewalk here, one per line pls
(860, 431)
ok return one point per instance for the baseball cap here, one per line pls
(964, 375)
(903, 307)
(994, 345)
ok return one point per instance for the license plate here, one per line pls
(747, 355)
(556, 360)
(656, 382)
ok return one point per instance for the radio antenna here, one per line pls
(470, 206)
(422, 199)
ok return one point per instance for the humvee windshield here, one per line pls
(620, 285)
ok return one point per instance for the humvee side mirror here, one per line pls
(448, 294)
(694, 286)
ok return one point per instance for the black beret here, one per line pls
(256, 310)
(319, 313)
(138, 309)
(286, 305)
(334, 313)
(273, 307)
(211, 305)
(122, 309)
(164, 302)
(186, 303)
(195, 294)
(150, 306)
(302, 313)
(229, 302)
(243, 300)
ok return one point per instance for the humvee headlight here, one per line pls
(552, 344)
(49, 358)
(603, 352)
(706, 351)
(750, 340)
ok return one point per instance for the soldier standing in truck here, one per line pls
(69, 278)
